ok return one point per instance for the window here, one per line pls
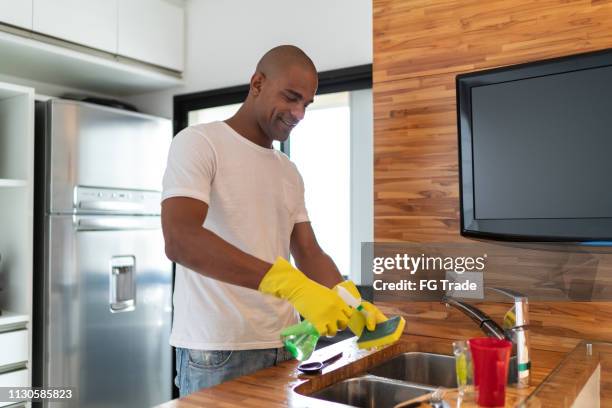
(211, 114)
(207, 115)
(320, 148)
(332, 148)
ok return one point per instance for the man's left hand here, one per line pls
(372, 314)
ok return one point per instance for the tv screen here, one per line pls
(536, 150)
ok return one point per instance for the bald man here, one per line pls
(232, 212)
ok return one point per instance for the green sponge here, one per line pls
(387, 332)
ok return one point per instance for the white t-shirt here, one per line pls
(255, 196)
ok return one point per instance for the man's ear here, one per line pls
(257, 81)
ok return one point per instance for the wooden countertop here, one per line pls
(284, 385)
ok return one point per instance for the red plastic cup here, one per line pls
(490, 358)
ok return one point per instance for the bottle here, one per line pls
(300, 339)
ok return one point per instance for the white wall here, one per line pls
(226, 38)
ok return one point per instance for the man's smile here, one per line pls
(288, 123)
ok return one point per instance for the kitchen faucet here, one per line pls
(518, 334)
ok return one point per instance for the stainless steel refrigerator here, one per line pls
(103, 285)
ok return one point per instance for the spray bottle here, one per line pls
(301, 339)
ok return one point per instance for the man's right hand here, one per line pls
(319, 305)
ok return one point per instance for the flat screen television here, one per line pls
(535, 150)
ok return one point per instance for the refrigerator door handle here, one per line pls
(105, 223)
(122, 294)
(110, 206)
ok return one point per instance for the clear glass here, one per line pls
(463, 365)
(573, 380)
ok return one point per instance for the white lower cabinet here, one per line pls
(19, 378)
(13, 347)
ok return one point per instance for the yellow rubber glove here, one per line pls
(319, 305)
(372, 314)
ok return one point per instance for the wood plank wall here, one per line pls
(419, 48)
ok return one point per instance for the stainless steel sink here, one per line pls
(369, 391)
(402, 378)
(427, 368)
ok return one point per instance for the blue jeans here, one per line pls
(196, 369)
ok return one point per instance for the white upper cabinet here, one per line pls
(16, 12)
(152, 31)
(88, 22)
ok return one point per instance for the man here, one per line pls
(232, 211)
